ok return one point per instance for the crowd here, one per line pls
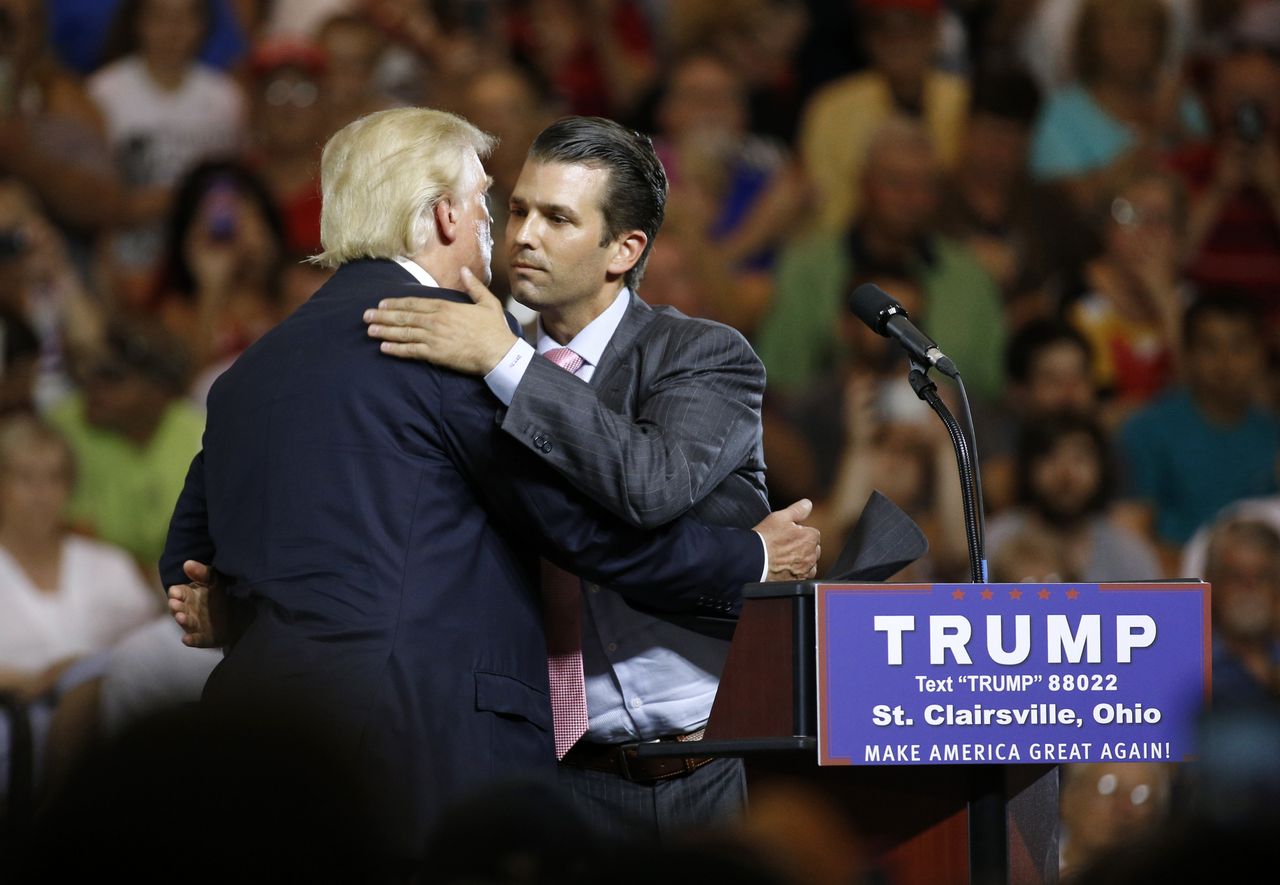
(1078, 199)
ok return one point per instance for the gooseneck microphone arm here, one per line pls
(886, 316)
(927, 390)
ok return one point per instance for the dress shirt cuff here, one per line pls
(764, 575)
(504, 378)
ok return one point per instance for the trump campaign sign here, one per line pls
(921, 674)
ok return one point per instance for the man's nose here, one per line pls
(525, 233)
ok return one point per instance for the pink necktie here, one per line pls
(561, 601)
(565, 359)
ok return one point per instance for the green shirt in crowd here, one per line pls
(125, 493)
(799, 340)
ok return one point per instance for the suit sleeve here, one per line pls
(188, 536)
(684, 566)
(698, 421)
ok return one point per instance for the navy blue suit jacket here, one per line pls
(383, 534)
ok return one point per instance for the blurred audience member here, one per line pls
(263, 804)
(1264, 509)
(289, 117)
(598, 55)
(352, 49)
(1204, 445)
(806, 834)
(39, 283)
(304, 18)
(1046, 35)
(220, 287)
(150, 670)
(1029, 554)
(841, 119)
(674, 272)
(1065, 480)
(63, 598)
(1227, 833)
(1048, 367)
(1108, 804)
(989, 202)
(1234, 218)
(863, 429)
(1125, 98)
(1133, 296)
(133, 435)
(165, 112)
(761, 41)
(799, 339)
(19, 364)
(528, 825)
(430, 53)
(51, 134)
(734, 195)
(1242, 564)
(79, 30)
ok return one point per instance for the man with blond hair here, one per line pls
(376, 532)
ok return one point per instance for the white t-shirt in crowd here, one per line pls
(101, 596)
(157, 135)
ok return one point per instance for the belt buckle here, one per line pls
(625, 752)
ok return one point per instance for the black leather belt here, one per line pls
(622, 760)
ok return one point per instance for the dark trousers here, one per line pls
(711, 795)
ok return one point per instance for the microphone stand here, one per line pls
(988, 827)
(927, 390)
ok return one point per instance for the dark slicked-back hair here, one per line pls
(635, 195)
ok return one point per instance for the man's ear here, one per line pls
(446, 220)
(626, 251)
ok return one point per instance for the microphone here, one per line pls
(885, 316)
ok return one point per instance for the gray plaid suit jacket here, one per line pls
(670, 421)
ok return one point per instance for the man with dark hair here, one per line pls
(1204, 445)
(634, 193)
(662, 418)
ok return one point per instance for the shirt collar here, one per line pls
(418, 272)
(592, 340)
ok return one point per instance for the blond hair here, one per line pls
(382, 176)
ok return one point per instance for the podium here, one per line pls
(947, 825)
(977, 822)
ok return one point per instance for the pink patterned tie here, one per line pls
(561, 601)
(565, 359)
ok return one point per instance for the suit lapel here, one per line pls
(617, 363)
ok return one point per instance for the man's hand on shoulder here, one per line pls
(793, 548)
(469, 338)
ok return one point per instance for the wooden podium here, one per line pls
(937, 824)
